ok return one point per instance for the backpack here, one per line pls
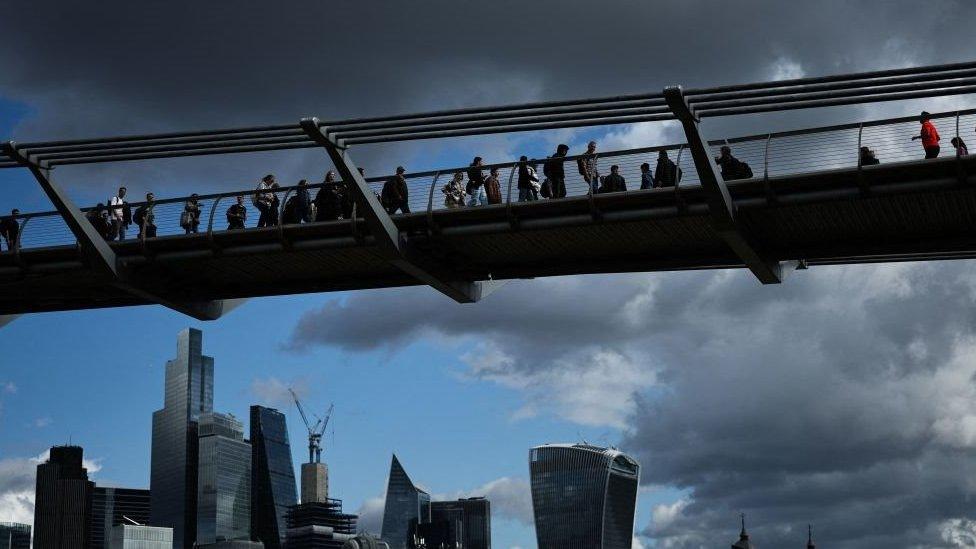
(255, 198)
(745, 172)
(185, 219)
(139, 215)
(546, 189)
(581, 166)
(289, 214)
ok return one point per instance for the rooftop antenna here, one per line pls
(315, 430)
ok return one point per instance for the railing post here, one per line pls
(510, 177)
(861, 182)
(213, 210)
(430, 203)
(281, 218)
(770, 195)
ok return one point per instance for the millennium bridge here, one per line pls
(810, 202)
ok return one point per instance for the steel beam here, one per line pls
(395, 246)
(721, 208)
(95, 249)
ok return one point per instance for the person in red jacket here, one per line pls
(929, 136)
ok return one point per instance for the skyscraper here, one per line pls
(475, 516)
(109, 506)
(272, 476)
(14, 536)
(319, 525)
(406, 506)
(173, 477)
(224, 486)
(62, 500)
(583, 496)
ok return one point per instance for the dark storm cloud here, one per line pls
(122, 67)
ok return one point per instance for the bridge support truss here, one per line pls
(395, 245)
(721, 208)
(96, 250)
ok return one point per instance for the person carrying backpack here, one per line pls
(732, 167)
(588, 168)
(396, 193)
(666, 173)
(613, 183)
(10, 229)
(528, 181)
(328, 206)
(454, 192)
(120, 214)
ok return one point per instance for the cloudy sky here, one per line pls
(843, 398)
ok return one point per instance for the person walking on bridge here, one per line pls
(868, 158)
(589, 168)
(476, 183)
(732, 167)
(263, 200)
(145, 217)
(396, 193)
(10, 229)
(960, 146)
(493, 187)
(327, 202)
(528, 181)
(666, 173)
(190, 218)
(236, 214)
(929, 136)
(454, 192)
(120, 214)
(613, 183)
(555, 171)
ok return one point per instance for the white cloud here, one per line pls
(511, 498)
(41, 422)
(785, 68)
(274, 392)
(8, 387)
(371, 515)
(664, 514)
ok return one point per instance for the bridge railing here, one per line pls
(771, 155)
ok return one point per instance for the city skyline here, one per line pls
(842, 397)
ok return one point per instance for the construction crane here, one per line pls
(315, 430)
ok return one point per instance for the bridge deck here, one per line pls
(915, 210)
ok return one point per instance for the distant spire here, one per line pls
(743, 535)
(743, 542)
(810, 544)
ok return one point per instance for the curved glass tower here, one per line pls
(406, 507)
(583, 497)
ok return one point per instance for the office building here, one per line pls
(173, 475)
(131, 536)
(439, 534)
(224, 485)
(319, 525)
(62, 502)
(15, 536)
(406, 506)
(272, 476)
(583, 496)
(109, 506)
(475, 516)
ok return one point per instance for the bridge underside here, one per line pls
(921, 210)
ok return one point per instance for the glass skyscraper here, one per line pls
(130, 536)
(272, 476)
(15, 536)
(109, 506)
(173, 476)
(583, 496)
(62, 500)
(224, 485)
(406, 506)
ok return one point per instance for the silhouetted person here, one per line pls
(190, 218)
(274, 215)
(960, 146)
(98, 218)
(120, 214)
(554, 170)
(732, 167)
(263, 200)
(396, 193)
(868, 158)
(528, 181)
(303, 202)
(237, 214)
(613, 183)
(454, 192)
(588, 167)
(476, 183)
(10, 229)
(666, 173)
(493, 187)
(145, 217)
(929, 136)
(647, 177)
(327, 204)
